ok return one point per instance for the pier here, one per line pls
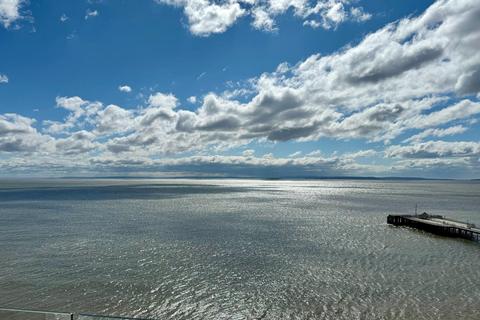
(437, 224)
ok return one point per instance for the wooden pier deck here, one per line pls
(437, 225)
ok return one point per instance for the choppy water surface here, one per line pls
(237, 249)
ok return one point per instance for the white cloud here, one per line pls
(78, 143)
(314, 153)
(125, 88)
(73, 104)
(450, 131)
(201, 75)
(460, 110)
(312, 23)
(262, 20)
(361, 154)
(454, 159)
(192, 99)
(207, 17)
(295, 154)
(167, 101)
(63, 18)
(91, 14)
(358, 14)
(334, 15)
(469, 82)
(3, 78)
(436, 149)
(17, 135)
(10, 11)
(113, 119)
(78, 109)
(248, 153)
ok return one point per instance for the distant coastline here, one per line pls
(267, 178)
(222, 177)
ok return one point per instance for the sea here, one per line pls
(237, 249)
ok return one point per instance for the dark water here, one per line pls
(237, 249)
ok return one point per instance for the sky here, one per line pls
(240, 88)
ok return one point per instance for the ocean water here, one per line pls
(237, 249)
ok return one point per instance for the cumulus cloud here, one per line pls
(435, 149)
(461, 110)
(416, 74)
(358, 14)
(458, 159)
(161, 100)
(78, 143)
(295, 154)
(207, 17)
(73, 104)
(437, 133)
(10, 11)
(262, 19)
(125, 88)
(78, 109)
(3, 79)
(314, 153)
(248, 153)
(17, 134)
(469, 82)
(113, 120)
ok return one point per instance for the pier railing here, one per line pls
(25, 314)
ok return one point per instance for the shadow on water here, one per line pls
(421, 235)
(130, 192)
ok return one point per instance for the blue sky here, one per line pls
(247, 88)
